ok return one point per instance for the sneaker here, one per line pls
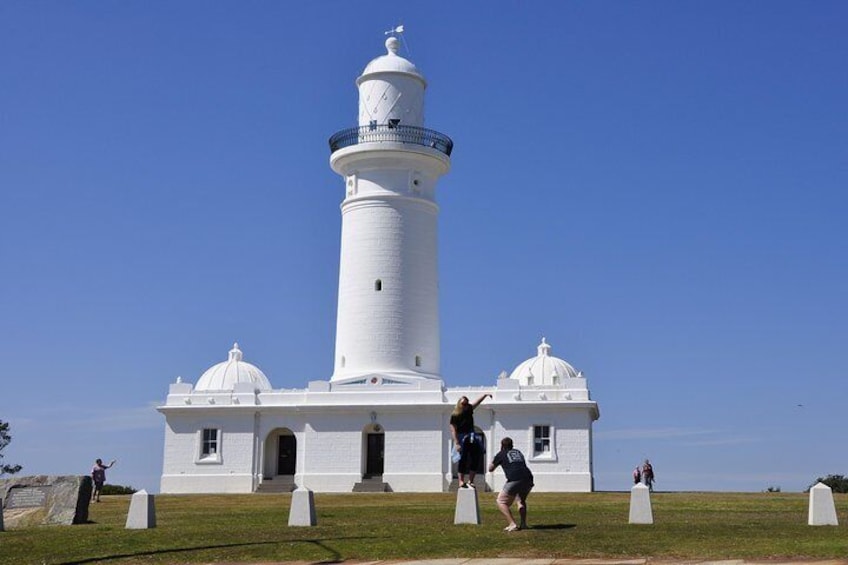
(472, 485)
(512, 528)
(463, 485)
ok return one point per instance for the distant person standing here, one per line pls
(648, 475)
(637, 475)
(519, 482)
(465, 440)
(98, 475)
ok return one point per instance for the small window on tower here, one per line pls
(342, 361)
(417, 360)
(378, 285)
(393, 123)
(372, 125)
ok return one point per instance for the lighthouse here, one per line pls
(387, 325)
(380, 423)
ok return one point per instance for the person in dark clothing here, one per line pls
(519, 482)
(466, 441)
(98, 475)
(648, 475)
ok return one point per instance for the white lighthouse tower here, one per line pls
(387, 327)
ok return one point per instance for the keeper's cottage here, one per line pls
(381, 421)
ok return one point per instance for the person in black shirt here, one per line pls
(519, 482)
(466, 441)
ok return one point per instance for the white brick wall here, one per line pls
(331, 442)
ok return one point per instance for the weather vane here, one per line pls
(397, 29)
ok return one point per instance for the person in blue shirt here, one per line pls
(519, 483)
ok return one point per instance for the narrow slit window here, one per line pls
(378, 285)
(417, 360)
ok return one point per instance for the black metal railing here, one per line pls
(391, 133)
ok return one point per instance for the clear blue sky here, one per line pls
(659, 188)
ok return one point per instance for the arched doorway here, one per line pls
(280, 453)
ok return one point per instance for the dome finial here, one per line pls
(235, 353)
(392, 45)
(544, 348)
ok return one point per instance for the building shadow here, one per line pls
(334, 556)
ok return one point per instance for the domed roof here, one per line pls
(544, 369)
(391, 62)
(224, 376)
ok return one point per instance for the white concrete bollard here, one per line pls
(467, 507)
(142, 514)
(822, 510)
(640, 505)
(302, 511)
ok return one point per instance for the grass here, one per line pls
(254, 528)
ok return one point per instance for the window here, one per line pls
(343, 361)
(378, 285)
(394, 123)
(372, 125)
(209, 446)
(209, 443)
(541, 440)
(417, 360)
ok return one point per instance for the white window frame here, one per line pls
(206, 458)
(550, 454)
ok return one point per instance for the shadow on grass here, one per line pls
(553, 527)
(335, 556)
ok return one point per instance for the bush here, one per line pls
(117, 489)
(837, 483)
(773, 489)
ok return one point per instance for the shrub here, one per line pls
(117, 489)
(837, 483)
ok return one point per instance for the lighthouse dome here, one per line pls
(544, 369)
(391, 62)
(225, 375)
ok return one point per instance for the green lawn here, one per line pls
(253, 528)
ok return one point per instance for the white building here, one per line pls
(382, 418)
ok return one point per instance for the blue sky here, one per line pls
(658, 188)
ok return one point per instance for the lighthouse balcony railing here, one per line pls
(393, 133)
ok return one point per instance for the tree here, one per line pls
(837, 483)
(5, 438)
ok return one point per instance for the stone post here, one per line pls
(302, 511)
(142, 514)
(822, 511)
(467, 507)
(640, 505)
(1, 514)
